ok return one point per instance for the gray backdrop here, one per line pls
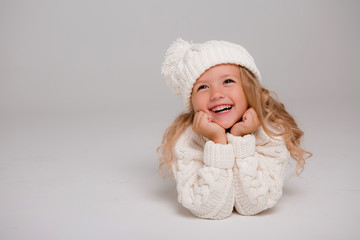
(83, 107)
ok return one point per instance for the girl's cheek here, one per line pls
(193, 106)
(195, 102)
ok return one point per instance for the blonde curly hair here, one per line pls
(270, 112)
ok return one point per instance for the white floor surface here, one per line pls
(94, 177)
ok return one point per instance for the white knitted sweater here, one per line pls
(212, 179)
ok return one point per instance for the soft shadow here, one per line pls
(287, 190)
(291, 189)
(267, 212)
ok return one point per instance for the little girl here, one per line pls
(231, 146)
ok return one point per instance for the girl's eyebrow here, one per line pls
(200, 82)
(228, 75)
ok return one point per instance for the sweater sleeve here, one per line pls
(204, 177)
(259, 171)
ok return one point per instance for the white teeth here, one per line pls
(222, 108)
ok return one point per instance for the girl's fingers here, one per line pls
(197, 118)
(246, 116)
(200, 120)
(205, 116)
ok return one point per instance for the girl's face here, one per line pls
(219, 93)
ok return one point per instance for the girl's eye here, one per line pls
(202, 87)
(229, 81)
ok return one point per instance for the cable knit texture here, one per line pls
(212, 179)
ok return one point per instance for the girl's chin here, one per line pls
(226, 121)
(226, 126)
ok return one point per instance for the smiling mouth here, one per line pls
(220, 109)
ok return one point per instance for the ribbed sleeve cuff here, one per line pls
(243, 146)
(219, 155)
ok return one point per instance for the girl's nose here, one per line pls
(216, 93)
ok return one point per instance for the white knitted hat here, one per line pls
(185, 62)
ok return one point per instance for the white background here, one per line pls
(83, 107)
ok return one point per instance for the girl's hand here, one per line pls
(203, 125)
(249, 124)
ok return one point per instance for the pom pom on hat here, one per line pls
(185, 62)
(173, 59)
